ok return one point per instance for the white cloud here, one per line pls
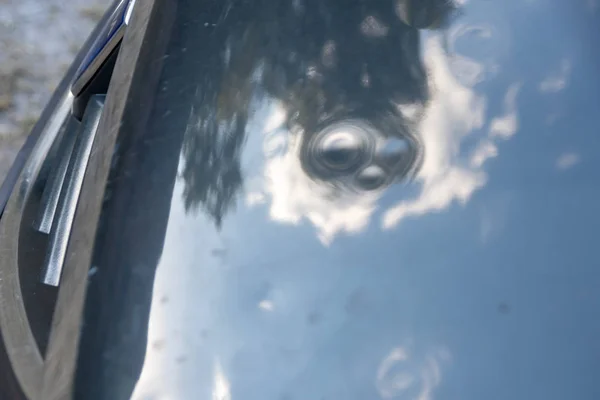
(507, 125)
(486, 150)
(567, 160)
(456, 184)
(454, 113)
(557, 80)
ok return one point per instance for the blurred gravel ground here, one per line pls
(38, 40)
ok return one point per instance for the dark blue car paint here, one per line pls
(236, 265)
(239, 254)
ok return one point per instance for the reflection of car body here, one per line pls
(311, 200)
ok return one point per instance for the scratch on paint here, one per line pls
(225, 13)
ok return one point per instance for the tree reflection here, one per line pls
(212, 169)
(325, 60)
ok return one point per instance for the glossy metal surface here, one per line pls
(355, 200)
(61, 232)
(106, 41)
(56, 180)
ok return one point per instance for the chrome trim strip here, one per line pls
(129, 11)
(45, 142)
(104, 45)
(51, 195)
(97, 62)
(61, 230)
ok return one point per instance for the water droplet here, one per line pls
(312, 72)
(373, 27)
(371, 178)
(365, 79)
(328, 54)
(340, 150)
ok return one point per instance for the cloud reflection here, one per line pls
(221, 386)
(567, 161)
(295, 196)
(404, 375)
(439, 107)
(448, 173)
(557, 81)
(455, 112)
